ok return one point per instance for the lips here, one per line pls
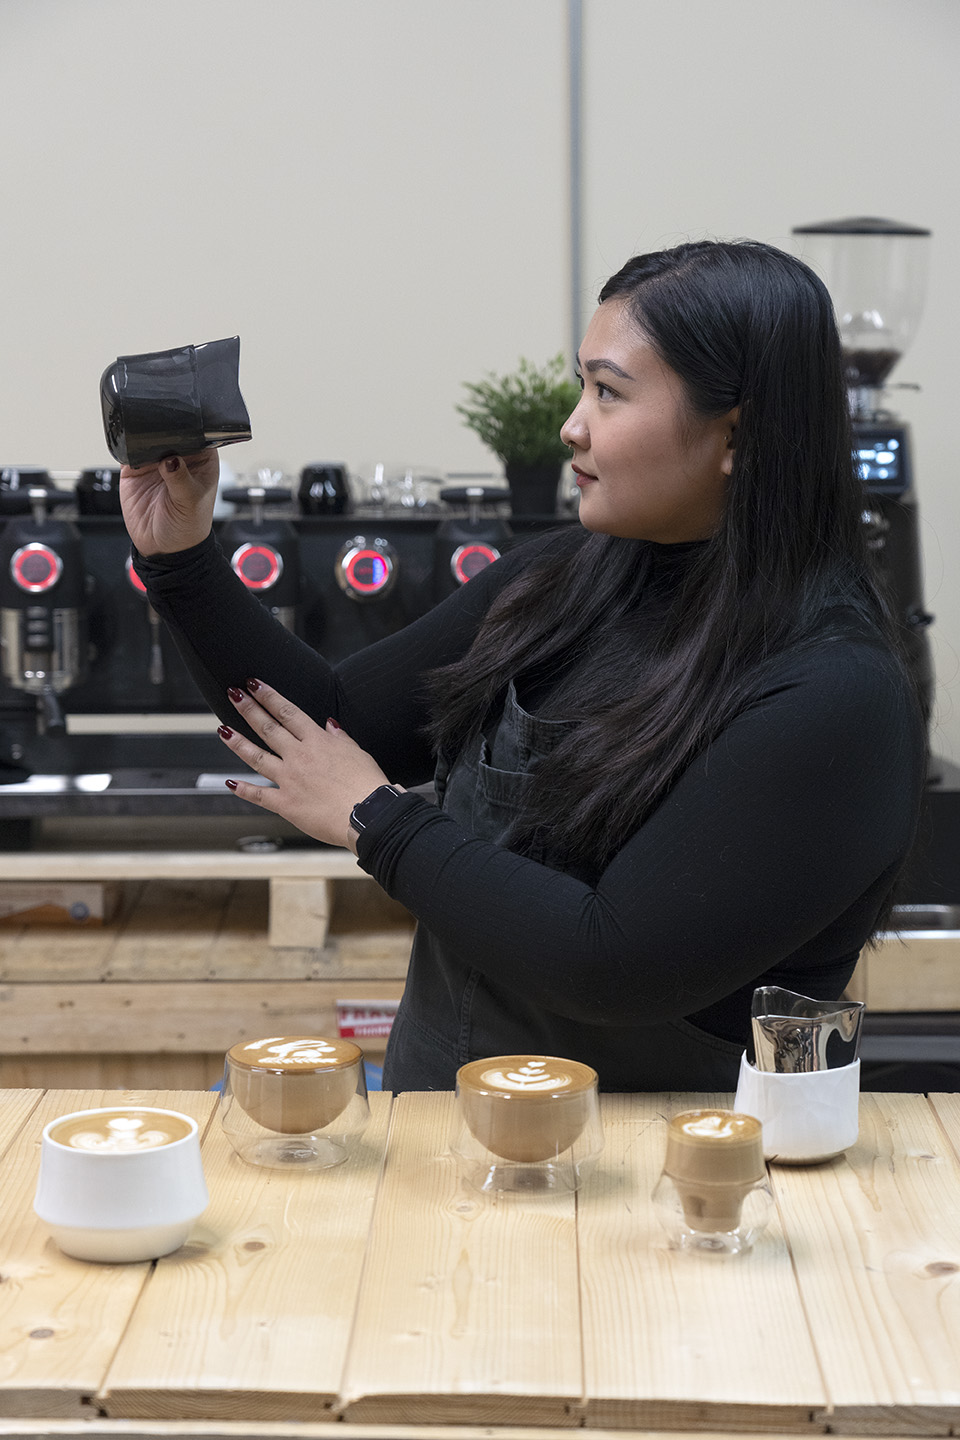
(583, 477)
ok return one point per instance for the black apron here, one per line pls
(451, 1013)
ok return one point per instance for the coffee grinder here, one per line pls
(876, 272)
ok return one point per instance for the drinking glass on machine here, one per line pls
(294, 1101)
(122, 1183)
(526, 1122)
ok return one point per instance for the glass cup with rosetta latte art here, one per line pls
(526, 1123)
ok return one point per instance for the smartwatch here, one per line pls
(367, 812)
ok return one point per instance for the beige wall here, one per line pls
(748, 117)
(373, 194)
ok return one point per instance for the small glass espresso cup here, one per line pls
(294, 1100)
(713, 1193)
(122, 1183)
(526, 1122)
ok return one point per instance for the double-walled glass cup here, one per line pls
(526, 1122)
(295, 1101)
(713, 1194)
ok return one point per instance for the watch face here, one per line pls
(368, 810)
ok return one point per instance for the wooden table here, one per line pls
(382, 1294)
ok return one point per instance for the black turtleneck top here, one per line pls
(767, 862)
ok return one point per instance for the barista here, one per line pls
(676, 752)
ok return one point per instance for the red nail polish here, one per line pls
(172, 464)
(234, 693)
(224, 732)
(333, 723)
(230, 784)
(253, 686)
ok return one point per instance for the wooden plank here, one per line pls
(16, 1107)
(224, 938)
(171, 931)
(673, 1338)
(215, 930)
(299, 911)
(112, 1072)
(875, 1237)
(857, 984)
(240, 950)
(918, 971)
(57, 954)
(100, 1429)
(947, 1110)
(252, 1320)
(469, 1309)
(361, 906)
(177, 864)
(153, 1018)
(61, 1319)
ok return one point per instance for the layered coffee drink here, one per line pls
(526, 1108)
(293, 1084)
(715, 1158)
(125, 1129)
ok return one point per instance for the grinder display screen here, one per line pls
(879, 460)
(881, 453)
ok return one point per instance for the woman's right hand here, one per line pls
(169, 506)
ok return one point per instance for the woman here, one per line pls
(675, 751)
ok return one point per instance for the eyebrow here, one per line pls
(594, 365)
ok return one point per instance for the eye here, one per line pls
(604, 391)
(579, 378)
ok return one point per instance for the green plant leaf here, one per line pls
(519, 416)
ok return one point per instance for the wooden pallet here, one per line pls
(206, 947)
(916, 971)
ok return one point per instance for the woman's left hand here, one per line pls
(318, 771)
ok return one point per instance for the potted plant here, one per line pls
(519, 417)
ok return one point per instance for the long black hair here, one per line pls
(743, 325)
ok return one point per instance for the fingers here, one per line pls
(266, 797)
(268, 765)
(201, 460)
(273, 717)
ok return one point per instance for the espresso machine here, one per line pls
(99, 715)
(876, 272)
(43, 600)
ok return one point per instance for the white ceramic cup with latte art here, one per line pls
(121, 1183)
(527, 1122)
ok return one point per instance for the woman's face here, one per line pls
(646, 467)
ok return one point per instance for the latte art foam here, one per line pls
(528, 1079)
(116, 1132)
(294, 1054)
(526, 1108)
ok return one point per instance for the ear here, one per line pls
(730, 425)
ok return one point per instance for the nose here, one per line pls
(573, 431)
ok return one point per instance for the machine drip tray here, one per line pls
(125, 792)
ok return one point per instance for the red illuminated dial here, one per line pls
(366, 570)
(468, 560)
(134, 578)
(259, 566)
(35, 568)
